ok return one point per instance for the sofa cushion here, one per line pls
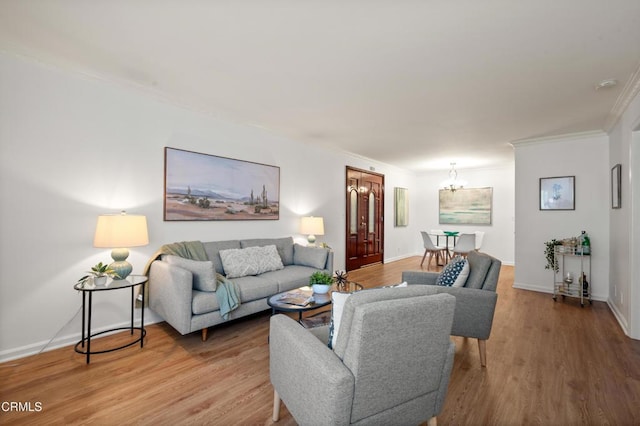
(293, 276)
(455, 273)
(253, 288)
(284, 246)
(204, 277)
(204, 302)
(316, 257)
(213, 252)
(479, 265)
(250, 261)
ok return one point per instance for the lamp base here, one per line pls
(120, 265)
(311, 240)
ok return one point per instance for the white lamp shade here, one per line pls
(121, 230)
(311, 225)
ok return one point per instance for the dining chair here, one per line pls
(431, 249)
(465, 244)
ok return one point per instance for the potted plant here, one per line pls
(549, 253)
(98, 276)
(320, 282)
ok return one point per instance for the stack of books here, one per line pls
(297, 297)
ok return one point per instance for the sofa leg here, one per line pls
(433, 421)
(276, 406)
(482, 346)
(204, 334)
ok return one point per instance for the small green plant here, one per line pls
(550, 254)
(100, 270)
(321, 278)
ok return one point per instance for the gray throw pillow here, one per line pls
(204, 276)
(478, 267)
(316, 257)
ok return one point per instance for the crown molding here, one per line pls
(629, 92)
(556, 138)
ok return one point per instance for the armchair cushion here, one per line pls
(204, 276)
(455, 273)
(315, 257)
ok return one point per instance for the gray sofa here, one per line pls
(172, 294)
(475, 302)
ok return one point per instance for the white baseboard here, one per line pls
(621, 320)
(543, 289)
(71, 339)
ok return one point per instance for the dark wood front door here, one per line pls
(365, 226)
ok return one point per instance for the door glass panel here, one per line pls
(372, 212)
(353, 212)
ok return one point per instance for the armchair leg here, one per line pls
(276, 406)
(204, 334)
(482, 346)
(433, 421)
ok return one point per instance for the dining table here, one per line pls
(446, 235)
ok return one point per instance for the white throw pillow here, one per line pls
(204, 276)
(337, 307)
(250, 261)
(462, 277)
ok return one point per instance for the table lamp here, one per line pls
(312, 226)
(120, 231)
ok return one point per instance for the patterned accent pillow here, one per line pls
(454, 270)
(250, 261)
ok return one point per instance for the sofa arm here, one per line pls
(171, 294)
(473, 316)
(312, 381)
(419, 277)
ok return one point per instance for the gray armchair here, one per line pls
(475, 302)
(391, 363)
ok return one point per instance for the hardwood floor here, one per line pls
(551, 363)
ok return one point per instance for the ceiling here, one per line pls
(416, 84)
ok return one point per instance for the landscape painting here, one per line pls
(207, 187)
(471, 206)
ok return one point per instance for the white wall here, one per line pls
(498, 240)
(624, 225)
(73, 147)
(585, 157)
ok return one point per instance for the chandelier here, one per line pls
(453, 183)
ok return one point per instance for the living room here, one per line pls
(75, 145)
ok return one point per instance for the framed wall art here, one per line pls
(470, 206)
(207, 187)
(616, 190)
(401, 206)
(557, 193)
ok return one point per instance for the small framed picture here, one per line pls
(558, 193)
(616, 190)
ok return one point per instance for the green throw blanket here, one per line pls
(226, 290)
